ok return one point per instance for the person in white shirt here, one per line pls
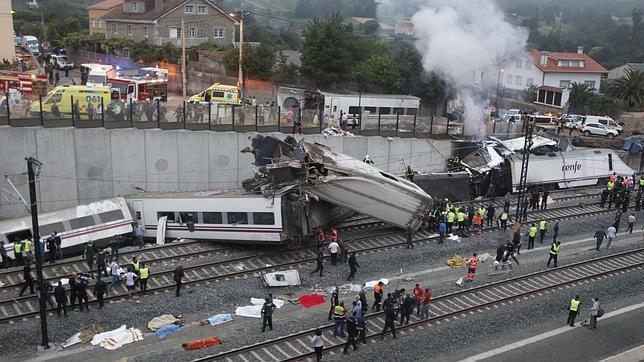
(130, 284)
(610, 235)
(318, 344)
(631, 221)
(114, 267)
(334, 247)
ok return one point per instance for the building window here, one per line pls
(590, 84)
(100, 23)
(129, 30)
(529, 81)
(134, 7)
(114, 28)
(508, 79)
(219, 33)
(192, 32)
(549, 97)
(519, 63)
(144, 30)
(528, 64)
(564, 84)
(93, 23)
(202, 9)
(518, 80)
(175, 33)
(189, 9)
(571, 63)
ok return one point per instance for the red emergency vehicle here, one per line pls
(150, 83)
(25, 83)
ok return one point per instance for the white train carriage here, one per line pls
(76, 226)
(209, 215)
(569, 169)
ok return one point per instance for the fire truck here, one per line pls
(149, 83)
(24, 83)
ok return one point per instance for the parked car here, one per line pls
(573, 121)
(606, 121)
(61, 62)
(598, 129)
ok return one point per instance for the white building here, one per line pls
(551, 72)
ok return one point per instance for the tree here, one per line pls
(370, 27)
(381, 69)
(328, 52)
(599, 104)
(580, 93)
(258, 60)
(629, 88)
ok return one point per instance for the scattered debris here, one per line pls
(282, 278)
(456, 261)
(75, 339)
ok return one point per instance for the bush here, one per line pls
(605, 105)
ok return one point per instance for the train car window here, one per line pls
(50, 228)
(237, 217)
(81, 222)
(370, 109)
(110, 216)
(412, 111)
(185, 217)
(384, 110)
(169, 214)
(19, 235)
(597, 152)
(263, 218)
(212, 218)
(354, 110)
(399, 111)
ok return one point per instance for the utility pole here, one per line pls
(33, 170)
(527, 145)
(241, 15)
(183, 57)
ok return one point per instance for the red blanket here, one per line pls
(311, 300)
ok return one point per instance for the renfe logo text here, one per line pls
(572, 167)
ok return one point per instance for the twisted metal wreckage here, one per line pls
(312, 173)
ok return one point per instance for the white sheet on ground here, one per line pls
(373, 283)
(75, 339)
(257, 301)
(218, 319)
(161, 321)
(252, 311)
(117, 337)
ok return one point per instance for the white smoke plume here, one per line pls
(460, 38)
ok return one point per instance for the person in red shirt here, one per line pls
(418, 296)
(424, 310)
(334, 235)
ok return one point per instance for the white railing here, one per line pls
(190, 42)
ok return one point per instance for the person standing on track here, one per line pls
(321, 237)
(318, 344)
(378, 292)
(353, 266)
(267, 314)
(544, 200)
(600, 235)
(339, 317)
(573, 310)
(114, 246)
(610, 235)
(319, 261)
(390, 317)
(335, 295)
(604, 196)
(410, 237)
(114, 270)
(424, 308)
(532, 233)
(60, 294)
(81, 290)
(100, 289)
(130, 282)
(631, 222)
(352, 332)
(554, 252)
(144, 274)
(418, 297)
(138, 234)
(542, 230)
(178, 278)
(555, 231)
(51, 245)
(334, 248)
(471, 268)
(28, 278)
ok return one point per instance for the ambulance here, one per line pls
(218, 93)
(63, 95)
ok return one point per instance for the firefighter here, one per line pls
(471, 267)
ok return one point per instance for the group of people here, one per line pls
(337, 250)
(618, 192)
(574, 307)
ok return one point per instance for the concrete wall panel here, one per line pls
(93, 164)
(193, 160)
(58, 188)
(245, 160)
(128, 161)
(378, 151)
(355, 147)
(16, 144)
(399, 155)
(223, 160)
(161, 160)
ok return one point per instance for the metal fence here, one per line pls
(95, 113)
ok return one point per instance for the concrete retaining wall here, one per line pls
(82, 165)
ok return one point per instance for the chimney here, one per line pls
(544, 58)
(580, 50)
(158, 6)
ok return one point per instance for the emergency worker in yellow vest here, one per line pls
(573, 310)
(460, 218)
(542, 230)
(17, 252)
(532, 233)
(451, 217)
(504, 220)
(554, 252)
(144, 273)
(27, 251)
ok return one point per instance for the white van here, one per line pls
(606, 121)
(30, 42)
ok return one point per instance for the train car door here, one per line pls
(161, 230)
(137, 207)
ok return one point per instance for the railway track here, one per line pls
(243, 267)
(296, 346)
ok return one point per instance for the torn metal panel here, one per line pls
(282, 278)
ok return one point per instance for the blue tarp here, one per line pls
(165, 330)
(634, 144)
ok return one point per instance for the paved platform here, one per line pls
(616, 331)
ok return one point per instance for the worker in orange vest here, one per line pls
(471, 267)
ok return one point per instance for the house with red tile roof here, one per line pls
(159, 22)
(552, 73)
(96, 11)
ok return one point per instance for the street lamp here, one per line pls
(241, 15)
(33, 171)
